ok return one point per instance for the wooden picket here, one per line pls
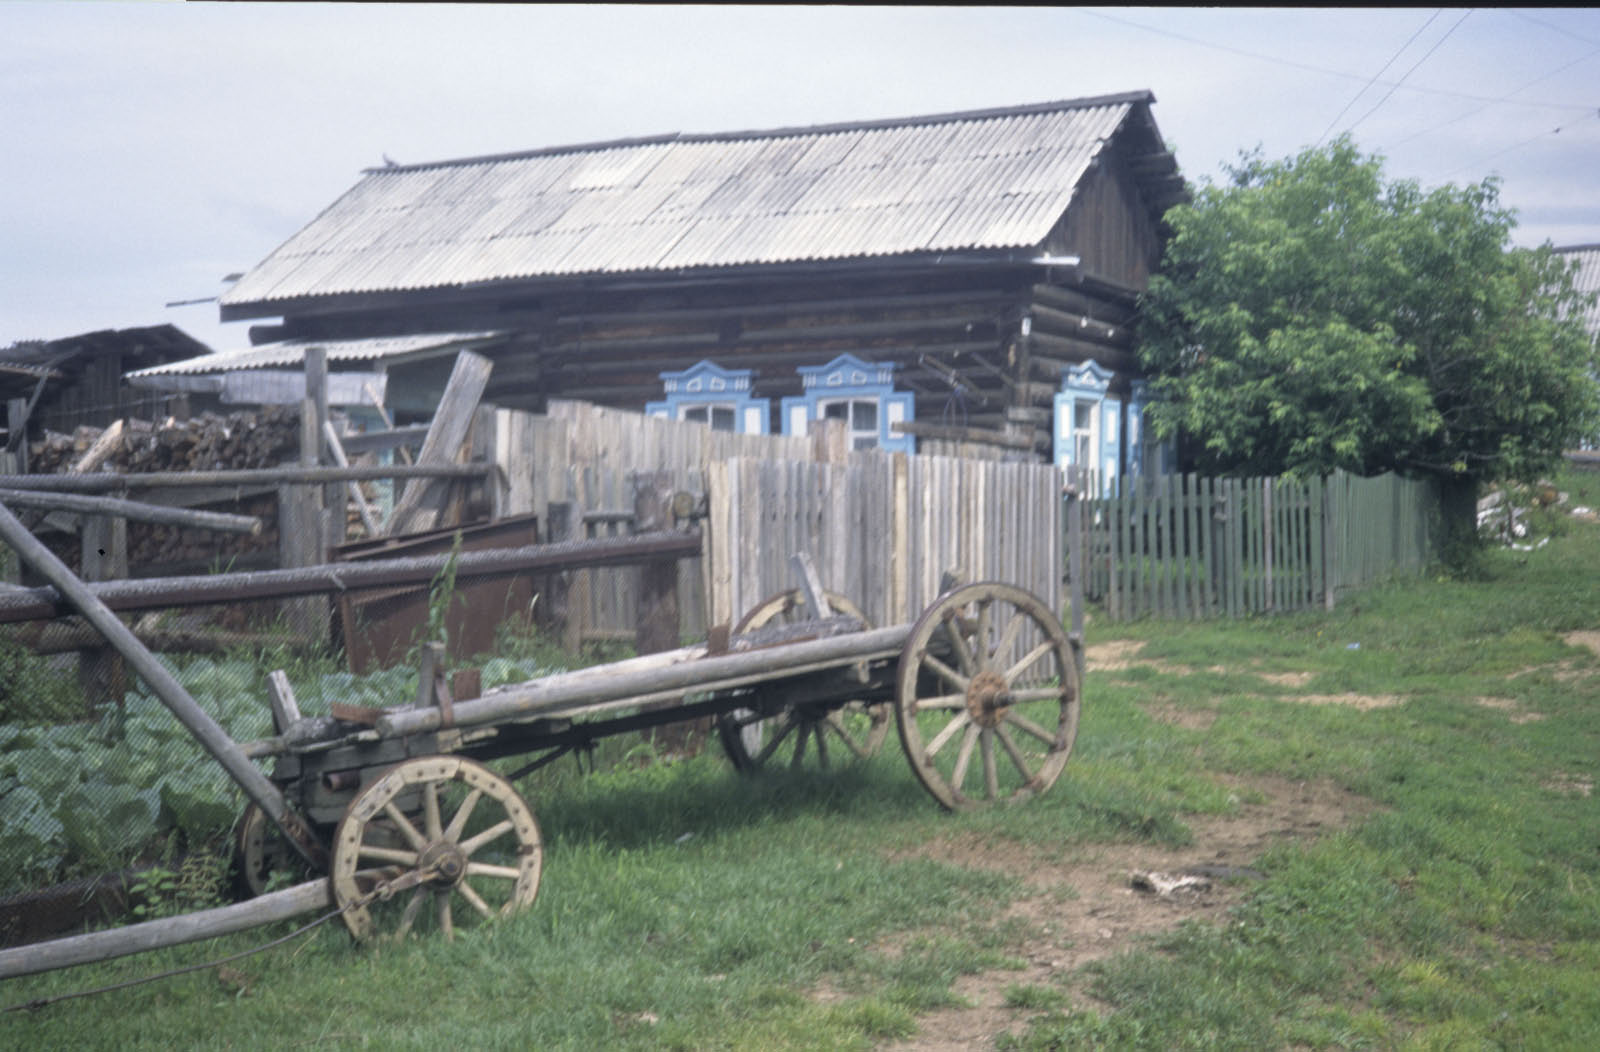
(1183, 546)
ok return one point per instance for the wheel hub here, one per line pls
(987, 698)
(446, 861)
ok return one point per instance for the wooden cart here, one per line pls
(414, 830)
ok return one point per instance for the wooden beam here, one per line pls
(977, 435)
(169, 931)
(335, 447)
(419, 507)
(133, 510)
(1077, 326)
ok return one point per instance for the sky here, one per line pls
(152, 148)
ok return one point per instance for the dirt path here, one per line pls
(1086, 906)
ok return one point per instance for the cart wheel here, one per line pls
(753, 741)
(259, 850)
(986, 666)
(445, 816)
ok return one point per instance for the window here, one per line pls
(708, 394)
(1087, 427)
(861, 394)
(720, 417)
(860, 416)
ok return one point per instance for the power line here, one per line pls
(1518, 146)
(1376, 75)
(1552, 26)
(1413, 69)
(1322, 69)
(1503, 99)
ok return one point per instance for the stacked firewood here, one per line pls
(254, 438)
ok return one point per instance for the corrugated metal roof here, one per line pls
(293, 352)
(984, 180)
(1587, 280)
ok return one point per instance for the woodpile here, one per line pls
(254, 438)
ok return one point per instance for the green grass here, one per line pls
(686, 907)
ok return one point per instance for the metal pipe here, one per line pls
(101, 483)
(257, 787)
(133, 510)
(34, 604)
(170, 931)
(593, 688)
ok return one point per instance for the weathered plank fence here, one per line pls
(1184, 546)
(881, 529)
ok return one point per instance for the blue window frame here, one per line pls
(861, 394)
(709, 394)
(1087, 426)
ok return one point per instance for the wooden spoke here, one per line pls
(950, 675)
(402, 823)
(474, 900)
(1019, 720)
(1028, 660)
(783, 726)
(446, 921)
(981, 636)
(493, 833)
(956, 679)
(1008, 636)
(260, 850)
(960, 721)
(461, 808)
(756, 736)
(958, 777)
(832, 723)
(430, 811)
(409, 916)
(958, 643)
(389, 854)
(463, 814)
(1012, 751)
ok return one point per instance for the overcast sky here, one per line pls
(150, 149)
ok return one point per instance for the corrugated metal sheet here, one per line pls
(292, 353)
(989, 180)
(1587, 280)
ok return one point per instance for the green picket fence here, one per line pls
(1184, 546)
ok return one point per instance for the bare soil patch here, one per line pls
(1363, 702)
(1189, 717)
(1287, 679)
(1084, 907)
(1568, 784)
(1515, 711)
(1589, 639)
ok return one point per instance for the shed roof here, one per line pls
(25, 362)
(292, 353)
(974, 181)
(1587, 280)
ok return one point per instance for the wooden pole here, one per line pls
(106, 482)
(169, 931)
(134, 510)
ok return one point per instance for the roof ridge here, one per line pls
(990, 113)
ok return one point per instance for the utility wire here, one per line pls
(1374, 79)
(1322, 69)
(1518, 146)
(1504, 99)
(1555, 28)
(1414, 68)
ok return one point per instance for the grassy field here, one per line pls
(1410, 779)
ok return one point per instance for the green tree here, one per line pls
(1312, 315)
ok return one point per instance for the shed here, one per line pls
(981, 257)
(77, 380)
